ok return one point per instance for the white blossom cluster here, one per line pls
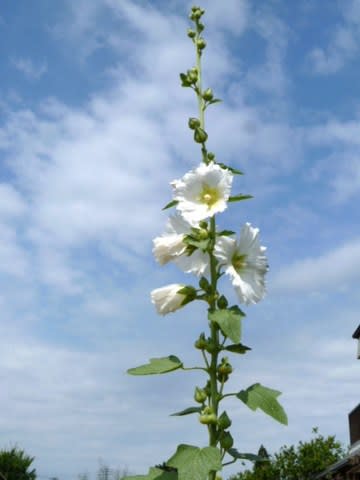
(199, 195)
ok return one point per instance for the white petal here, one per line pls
(167, 299)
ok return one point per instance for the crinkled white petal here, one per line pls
(167, 299)
(189, 192)
(171, 247)
(197, 263)
(249, 280)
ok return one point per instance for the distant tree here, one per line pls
(15, 465)
(296, 462)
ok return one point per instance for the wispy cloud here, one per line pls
(29, 68)
(343, 45)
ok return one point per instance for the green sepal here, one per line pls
(229, 321)
(224, 421)
(201, 244)
(239, 198)
(258, 396)
(225, 233)
(184, 80)
(194, 463)
(157, 366)
(244, 456)
(187, 411)
(154, 474)
(233, 170)
(237, 348)
(170, 204)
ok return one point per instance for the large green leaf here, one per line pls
(193, 463)
(258, 396)
(154, 474)
(187, 411)
(229, 321)
(157, 366)
(244, 456)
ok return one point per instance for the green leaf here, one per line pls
(244, 456)
(154, 474)
(226, 233)
(171, 204)
(229, 321)
(187, 411)
(258, 396)
(235, 171)
(215, 100)
(157, 366)
(195, 463)
(238, 198)
(237, 348)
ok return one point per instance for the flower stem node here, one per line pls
(226, 440)
(194, 123)
(200, 395)
(208, 416)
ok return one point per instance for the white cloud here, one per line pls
(344, 44)
(335, 270)
(29, 68)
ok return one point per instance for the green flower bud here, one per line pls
(192, 76)
(210, 346)
(225, 367)
(197, 14)
(200, 26)
(208, 95)
(201, 342)
(191, 33)
(201, 44)
(194, 123)
(203, 234)
(211, 156)
(200, 136)
(208, 416)
(224, 421)
(222, 302)
(203, 224)
(194, 8)
(200, 395)
(226, 440)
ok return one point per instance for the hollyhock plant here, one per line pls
(194, 242)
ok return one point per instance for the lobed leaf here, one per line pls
(195, 463)
(258, 396)
(157, 366)
(229, 321)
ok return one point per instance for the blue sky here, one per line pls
(93, 127)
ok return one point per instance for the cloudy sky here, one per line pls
(93, 127)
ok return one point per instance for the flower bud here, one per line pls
(200, 26)
(192, 76)
(201, 44)
(208, 416)
(222, 302)
(208, 95)
(169, 298)
(197, 14)
(194, 123)
(225, 367)
(200, 395)
(224, 421)
(203, 224)
(201, 342)
(200, 136)
(191, 33)
(210, 346)
(211, 156)
(226, 440)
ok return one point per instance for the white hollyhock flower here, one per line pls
(167, 299)
(171, 247)
(202, 192)
(245, 262)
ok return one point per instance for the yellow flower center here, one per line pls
(238, 262)
(209, 195)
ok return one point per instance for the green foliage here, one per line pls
(258, 396)
(157, 366)
(299, 462)
(15, 465)
(229, 321)
(195, 463)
